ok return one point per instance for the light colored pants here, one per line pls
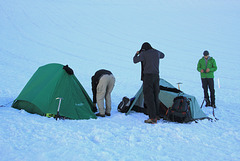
(104, 89)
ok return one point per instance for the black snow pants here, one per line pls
(151, 92)
(208, 83)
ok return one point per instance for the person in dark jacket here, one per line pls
(149, 59)
(102, 85)
(207, 66)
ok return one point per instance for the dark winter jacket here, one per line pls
(204, 64)
(150, 60)
(95, 81)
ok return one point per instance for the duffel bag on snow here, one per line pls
(180, 110)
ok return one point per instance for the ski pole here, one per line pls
(214, 114)
(59, 104)
(202, 103)
(219, 83)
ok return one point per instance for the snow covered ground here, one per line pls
(90, 35)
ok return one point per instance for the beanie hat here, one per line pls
(145, 46)
(205, 53)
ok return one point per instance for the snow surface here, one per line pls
(90, 35)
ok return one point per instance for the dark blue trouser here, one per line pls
(151, 92)
(208, 83)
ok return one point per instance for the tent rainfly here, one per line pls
(49, 83)
(166, 95)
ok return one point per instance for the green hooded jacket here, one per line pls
(211, 64)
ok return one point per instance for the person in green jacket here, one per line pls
(207, 66)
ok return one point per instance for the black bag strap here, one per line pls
(68, 70)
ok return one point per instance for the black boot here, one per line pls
(213, 105)
(101, 115)
(207, 103)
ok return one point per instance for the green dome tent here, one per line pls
(167, 94)
(47, 84)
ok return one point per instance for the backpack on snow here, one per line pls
(180, 110)
(124, 105)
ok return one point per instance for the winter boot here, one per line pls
(207, 103)
(150, 121)
(108, 114)
(101, 115)
(213, 105)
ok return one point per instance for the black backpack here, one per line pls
(124, 105)
(180, 110)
